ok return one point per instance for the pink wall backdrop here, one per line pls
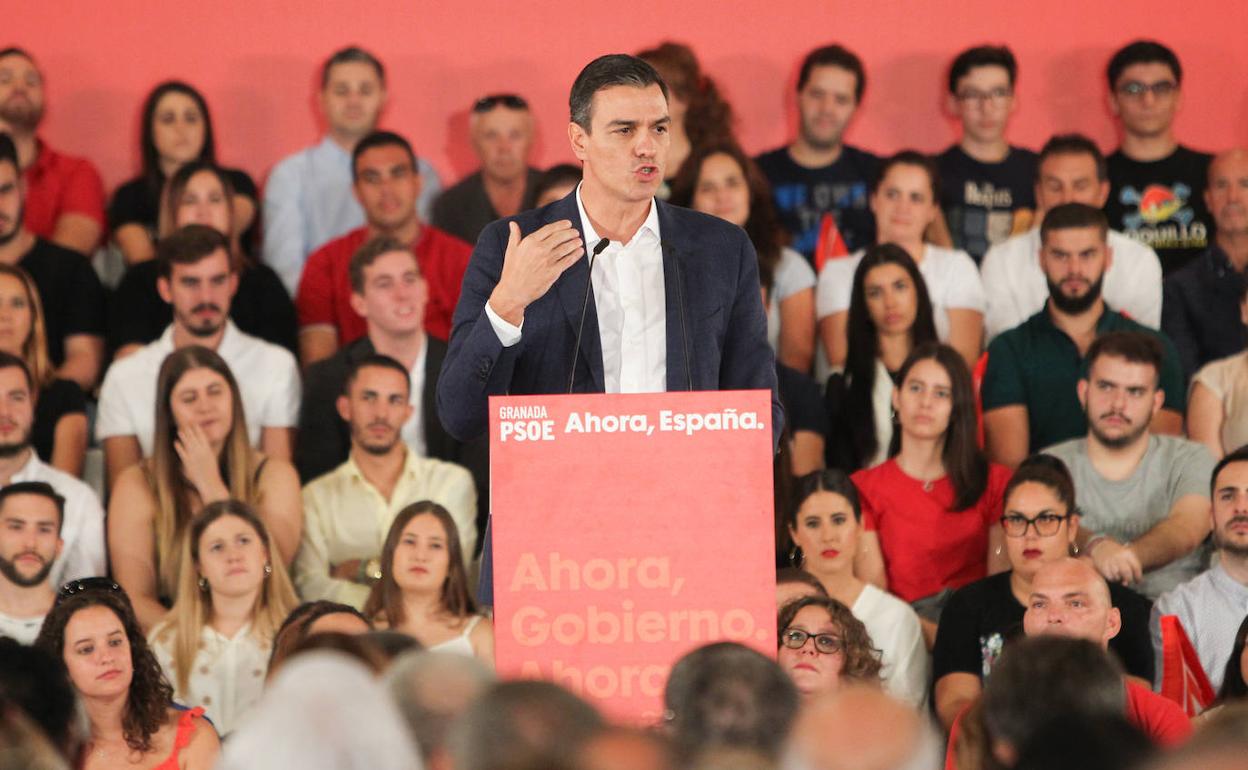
(256, 62)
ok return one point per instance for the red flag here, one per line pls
(1183, 679)
(830, 244)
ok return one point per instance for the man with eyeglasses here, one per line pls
(1157, 186)
(501, 129)
(387, 184)
(30, 542)
(1144, 498)
(985, 183)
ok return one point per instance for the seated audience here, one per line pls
(806, 421)
(861, 727)
(727, 696)
(1040, 522)
(986, 183)
(720, 179)
(59, 433)
(500, 128)
(616, 748)
(700, 115)
(64, 194)
(1216, 400)
(323, 711)
(1071, 170)
(348, 511)
(423, 590)
(200, 193)
(1028, 399)
(200, 455)
(390, 294)
(233, 593)
(432, 691)
(1077, 742)
(82, 525)
(30, 543)
(22, 745)
(556, 183)
(1157, 186)
(931, 509)
(1069, 598)
(308, 199)
(385, 181)
(820, 183)
(176, 130)
(1235, 677)
(36, 682)
(121, 687)
(890, 314)
(905, 200)
(198, 279)
(1202, 307)
(525, 724)
(310, 618)
(1213, 604)
(825, 525)
(796, 583)
(823, 647)
(1144, 499)
(68, 287)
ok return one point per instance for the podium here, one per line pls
(629, 529)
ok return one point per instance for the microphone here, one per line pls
(580, 327)
(680, 300)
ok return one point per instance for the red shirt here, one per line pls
(324, 295)
(1157, 717)
(59, 184)
(926, 546)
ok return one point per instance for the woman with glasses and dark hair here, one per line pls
(1039, 522)
(134, 723)
(176, 130)
(823, 647)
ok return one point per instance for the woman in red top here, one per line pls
(930, 508)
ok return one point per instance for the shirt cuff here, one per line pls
(507, 333)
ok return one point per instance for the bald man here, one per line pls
(1070, 598)
(1201, 305)
(862, 728)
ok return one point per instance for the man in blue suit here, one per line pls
(676, 303)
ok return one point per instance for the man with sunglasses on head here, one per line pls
(30, 542)
(501, 129)
(1157, 186)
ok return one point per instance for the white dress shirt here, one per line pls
(413, 431)
(631, 302)
(84, 553)
(227, 677)
(1016, 288)
(267, 376)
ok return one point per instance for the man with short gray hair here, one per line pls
(432, 690)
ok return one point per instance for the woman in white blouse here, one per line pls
(233, 593)
(905, 201)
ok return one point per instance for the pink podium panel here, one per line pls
(628, 530)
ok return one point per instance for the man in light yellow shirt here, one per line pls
(348, 511)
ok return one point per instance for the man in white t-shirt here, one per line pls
(198, 278)
(1071, 170)
(82, 527)
(30, 542)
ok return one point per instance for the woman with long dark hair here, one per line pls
(176, 129)
(889, 315)
(1235, 680)
(930, 510)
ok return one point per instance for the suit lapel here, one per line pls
(675, 268)
(570, 289)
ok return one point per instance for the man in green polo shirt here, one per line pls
(1029, 388)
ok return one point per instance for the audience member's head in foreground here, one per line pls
(861, 728)
(432, 690)
(309, 618)
(526, 724)
(36, 682)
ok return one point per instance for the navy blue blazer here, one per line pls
(726, 325)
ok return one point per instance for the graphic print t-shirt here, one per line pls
(981, 201)
(1161, 203)
(803, 195)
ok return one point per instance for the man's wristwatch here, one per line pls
(370, 571)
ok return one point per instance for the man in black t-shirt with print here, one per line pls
(1157, 186)
(987, 186)
(820, 184)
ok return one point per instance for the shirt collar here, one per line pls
(353, 471)
(1229, 583)
(329, 147)
(29, 469)
(591, 235)
(43, 158)
(229, 340)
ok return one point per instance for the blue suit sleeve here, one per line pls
(748, 362)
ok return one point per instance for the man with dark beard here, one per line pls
(1212, 605)
(348, 511)
(1143, 499)
(1028, 389)
(82, 525)
(30, 542)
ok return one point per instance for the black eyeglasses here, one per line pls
(795, 639)
(1046, 524)
(83, 585)
(510, 101)
(1136, 90)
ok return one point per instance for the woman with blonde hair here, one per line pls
(233, 594)
(59, 432)
(201, 454)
